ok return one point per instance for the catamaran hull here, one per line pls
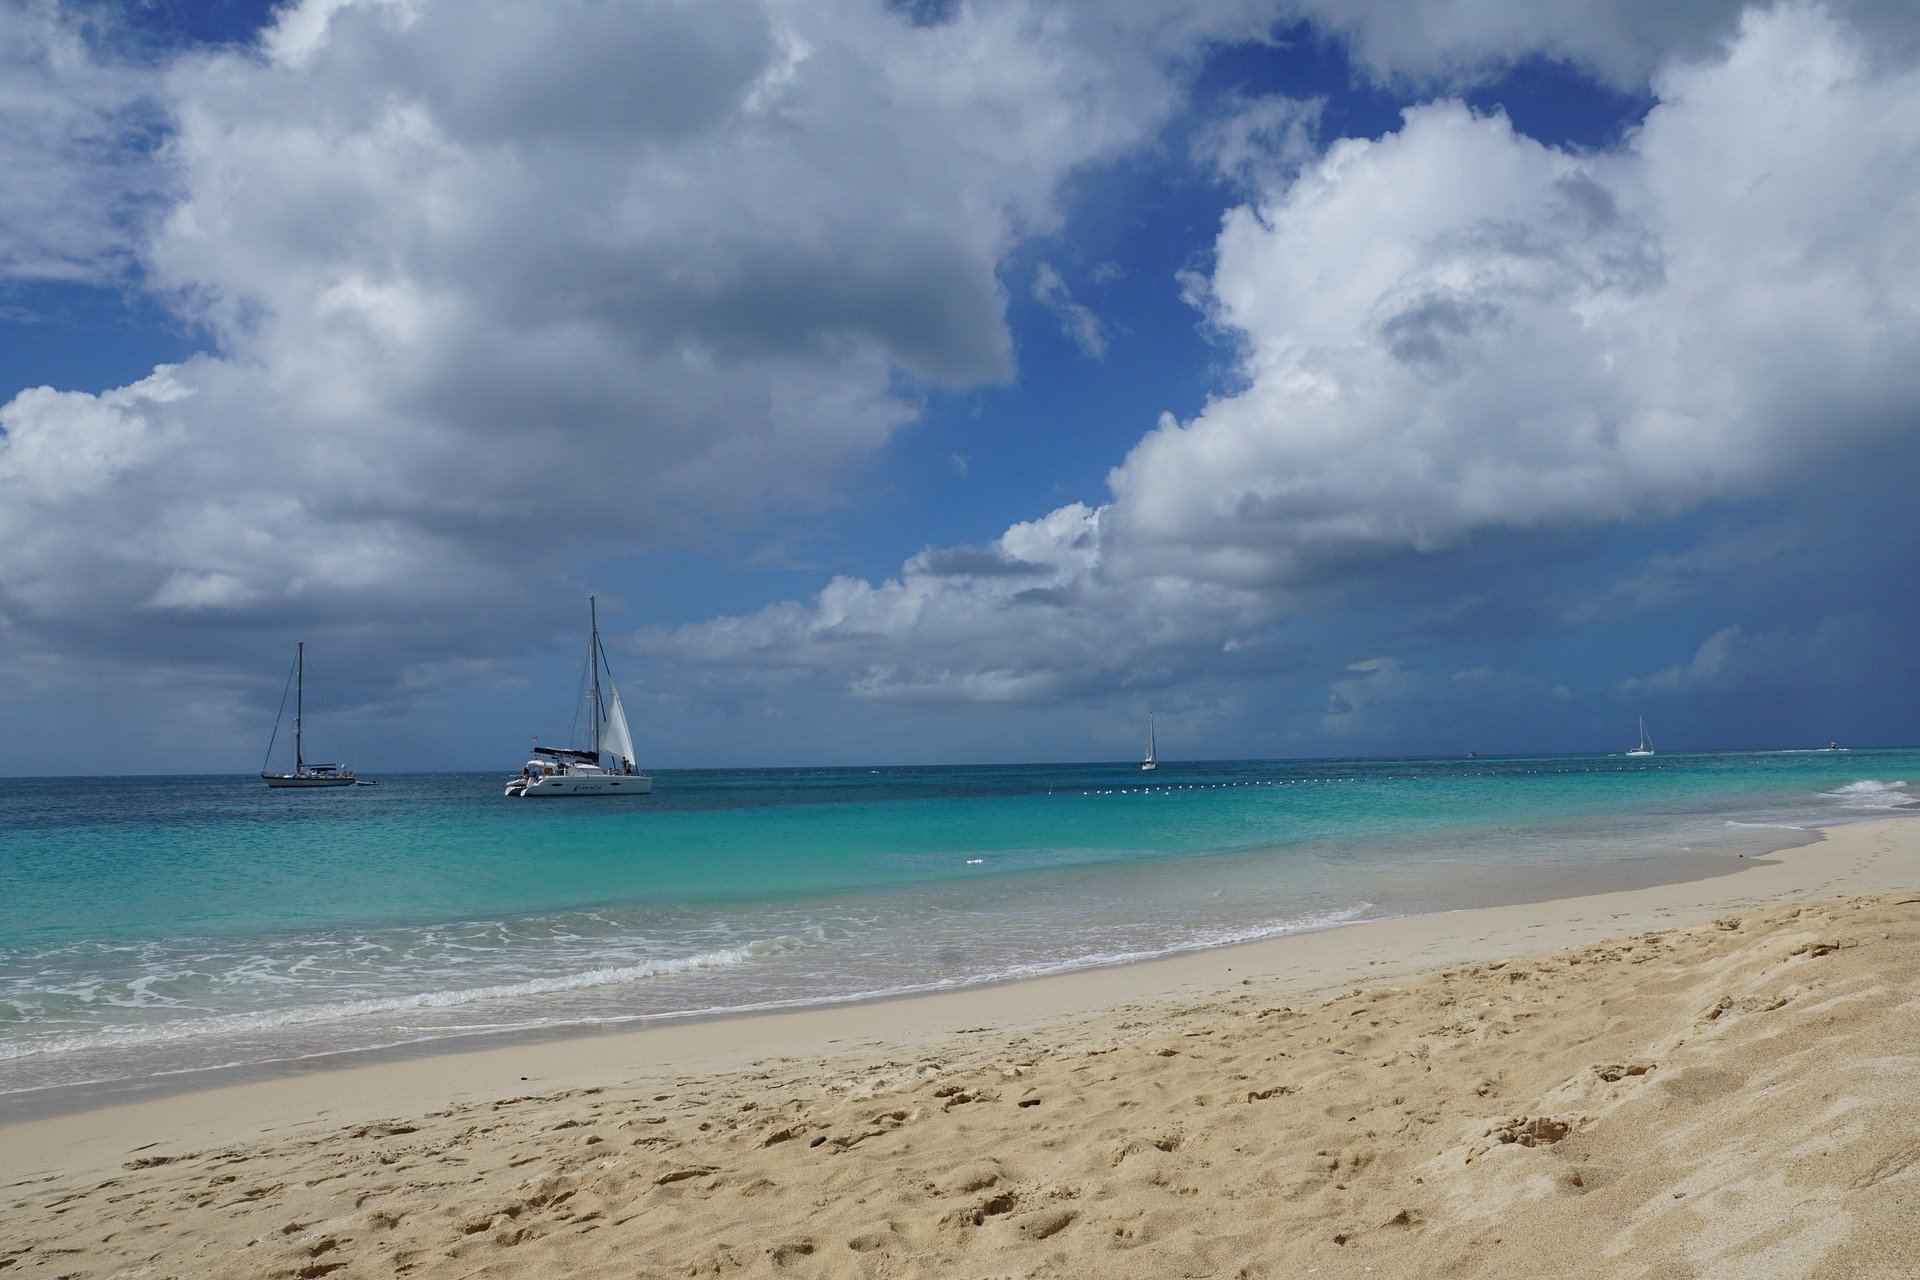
(280, 780)
(634, 784)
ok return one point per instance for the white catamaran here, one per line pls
(568, 771)
(1646, 744)
(1151, 762)
(304, 775)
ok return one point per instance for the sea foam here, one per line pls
(1869, 794)
(183, 1029)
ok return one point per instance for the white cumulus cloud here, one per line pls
(76, 133)
(1456, 333)
(493, 289)
(1623, 41)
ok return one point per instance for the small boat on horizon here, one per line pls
(576, 771)
(1646, 743)
(304, 776)
(1151, 763)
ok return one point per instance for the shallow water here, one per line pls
(160, 925)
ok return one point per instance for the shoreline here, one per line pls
(128, 995)
(1531, 887)
(1849, 859)
(49, 1101)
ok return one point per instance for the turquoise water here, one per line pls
(160, 925)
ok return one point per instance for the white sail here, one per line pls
(614, 738)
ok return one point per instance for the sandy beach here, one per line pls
(1713, 1078)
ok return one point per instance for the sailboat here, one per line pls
(1150, 763)
(1646, 744)
(571, 771)
(304, 774)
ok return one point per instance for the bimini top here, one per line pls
(568, 753)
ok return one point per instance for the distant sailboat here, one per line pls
(304, 775)
(1150, 763)
(1646, 744)
(569, 771)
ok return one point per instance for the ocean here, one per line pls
(153, 927)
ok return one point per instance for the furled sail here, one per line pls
(614, 738)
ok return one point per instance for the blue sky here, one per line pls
(1329, 380)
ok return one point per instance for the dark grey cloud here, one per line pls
(974, 562)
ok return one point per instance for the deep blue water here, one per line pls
(153, 925)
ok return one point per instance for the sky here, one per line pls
(955, 381)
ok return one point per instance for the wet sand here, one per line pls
(1704, 1079)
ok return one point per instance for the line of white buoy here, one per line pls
(1206, 786)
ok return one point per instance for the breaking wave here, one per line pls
(184, 1029)
(1869, 794)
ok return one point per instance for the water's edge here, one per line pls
(156, 931)
(71, 1099)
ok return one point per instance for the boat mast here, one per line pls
(593, 660)
(299, 701)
